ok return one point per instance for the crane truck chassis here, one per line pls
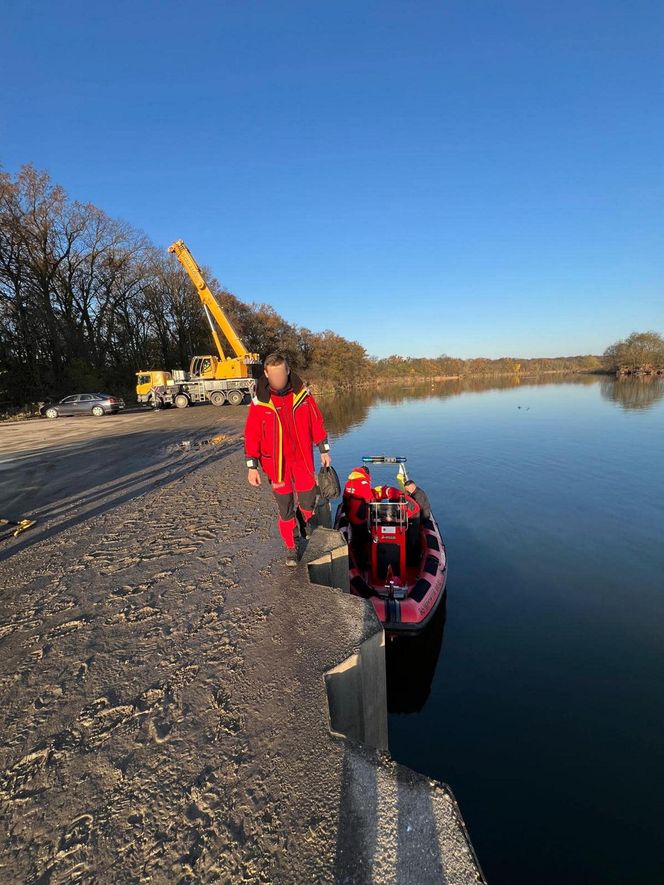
(182, 393)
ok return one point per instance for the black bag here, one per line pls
(328, 483)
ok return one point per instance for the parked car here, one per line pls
(83, 404)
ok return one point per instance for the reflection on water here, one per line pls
(347, 410)
(633, 393)
(410, 663)
(543, 707)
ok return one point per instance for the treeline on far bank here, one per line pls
(641, 353)
(87, 300)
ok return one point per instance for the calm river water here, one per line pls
(541, 702)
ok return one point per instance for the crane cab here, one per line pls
(211, 367)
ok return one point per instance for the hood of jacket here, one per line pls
(263, 386)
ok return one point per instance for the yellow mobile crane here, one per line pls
(218, 379)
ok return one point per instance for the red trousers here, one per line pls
(300, 481)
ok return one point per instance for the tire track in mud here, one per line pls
(121, 673)
(173, 461)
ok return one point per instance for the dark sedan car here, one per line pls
(83, 404)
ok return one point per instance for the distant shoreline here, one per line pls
(319, 387)
(329, 388)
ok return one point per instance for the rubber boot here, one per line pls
(287, 532)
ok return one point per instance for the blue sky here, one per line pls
(472, 177)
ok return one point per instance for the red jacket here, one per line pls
(357, 493)
(263, 431)
(390, 493)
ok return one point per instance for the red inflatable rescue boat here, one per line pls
(396, 554)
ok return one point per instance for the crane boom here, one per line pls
(210, 304)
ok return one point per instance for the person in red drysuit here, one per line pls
(283, 424)
(391, 493)
(357, 494)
